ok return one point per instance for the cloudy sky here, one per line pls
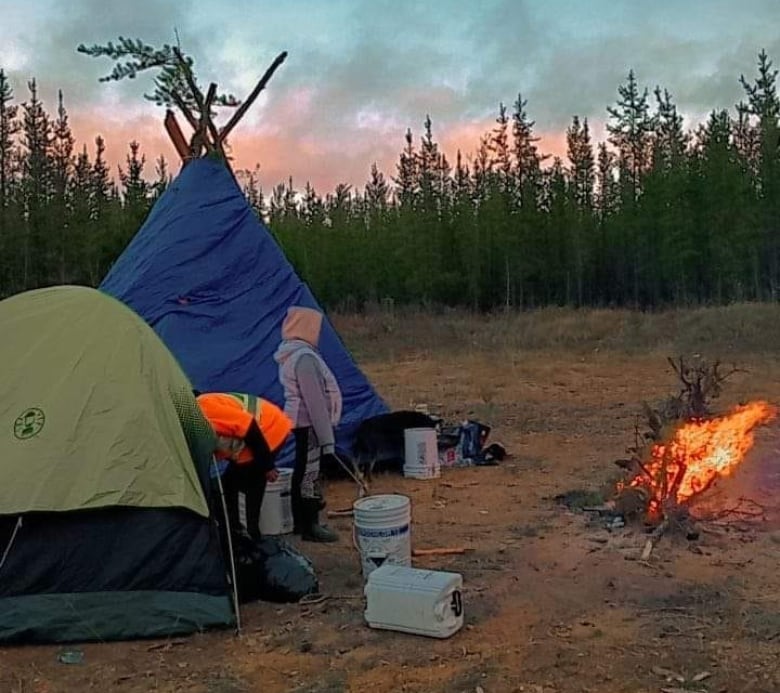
(360, 72)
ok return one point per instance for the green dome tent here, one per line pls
(105, 528)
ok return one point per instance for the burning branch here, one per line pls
(685, 449)
(696, 455)
(701, 383)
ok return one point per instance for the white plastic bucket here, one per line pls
(382, 531)
(421, 454)
(276, 511)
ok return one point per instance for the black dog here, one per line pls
(379, 441)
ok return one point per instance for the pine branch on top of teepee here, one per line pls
(176, 85)
(134, 56)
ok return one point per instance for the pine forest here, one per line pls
(655, 216)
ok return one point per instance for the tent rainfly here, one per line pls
(105, 526)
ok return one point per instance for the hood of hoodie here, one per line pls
(288, 347)
(302, 323)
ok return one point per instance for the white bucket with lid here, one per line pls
(421, 454)
(382, 531)
(276, 510)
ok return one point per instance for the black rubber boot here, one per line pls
(299, 468)
(312, 530)
(297, 510)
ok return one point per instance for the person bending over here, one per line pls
(250, 433)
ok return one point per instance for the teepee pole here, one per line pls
(244, 107)
(206, 121)
(176, 135)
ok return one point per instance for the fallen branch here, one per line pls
(600, 509)
(344, 512)
(168, 644)
(742, 499)
(736, 511)
(652, 540)
(319, 598)
(439, 552)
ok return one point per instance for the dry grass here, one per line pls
(724, 331)
(554, 604)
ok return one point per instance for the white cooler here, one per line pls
(410, 600)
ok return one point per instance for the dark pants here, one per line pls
(250, 480)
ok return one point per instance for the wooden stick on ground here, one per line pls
(346, 512)
(652, 540)
(439, 552)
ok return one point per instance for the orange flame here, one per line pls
(700, 452)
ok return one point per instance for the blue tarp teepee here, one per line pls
(210, 279)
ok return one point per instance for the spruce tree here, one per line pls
(9, 127)
(581, 193)
(528, 160)
(36, 190)
(630, 129)
(664, 221)
(80, 193)
(406, 178)
(62, 156)
(162, 180)
(135, 194)
(583, 165)
(377, 195)
(9, 230)
(764, 106)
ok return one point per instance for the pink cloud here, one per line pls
(467, 137)
(147, 130)
(288, 150)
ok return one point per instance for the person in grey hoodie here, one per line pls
(313, 402)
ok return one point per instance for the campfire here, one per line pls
(700, 452)
(685, 450)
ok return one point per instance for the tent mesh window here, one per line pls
(197, 430)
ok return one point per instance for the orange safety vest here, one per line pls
(230, 415)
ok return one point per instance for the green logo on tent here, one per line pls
(29, 423)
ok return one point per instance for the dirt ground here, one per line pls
(553, 603)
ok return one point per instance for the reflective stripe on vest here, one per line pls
(274, 425)
(249, 402)
(233, 447)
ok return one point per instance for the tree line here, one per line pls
(654, 216)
